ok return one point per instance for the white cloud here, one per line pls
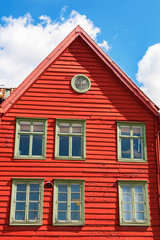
(149, 73)
(105, 45)
(23, 44)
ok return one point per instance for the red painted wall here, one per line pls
(51, 96)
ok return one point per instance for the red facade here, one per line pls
(47, 93)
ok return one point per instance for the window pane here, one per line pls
(127, 197)
(127, 216)
(62, 197)
(76, 146)
(19, 215)
(20, 205)
(33, 206)
(140, 216)
(76, 128)
(139, 198)
(127, 207)
(75, 187)
(138, 189)
(64, 146)
(62, 216)
(37, 126)
(21, 187)
(137, 131)
(21, 196)
(37, 145)
(33, 215)
(75, 215)
(34, 187)
(25, 126)
(34, 196)
(62, 187)
(139, 207)
(62, 206)
(125, 130)
(64, 127)
(126, 189)
(125, 148)
(137, 148)
(75, 206)
(75, 196)
(24, 145)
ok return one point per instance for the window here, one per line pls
(80, 83)
(70, 139)
(133, 203)
(30, 138)
(68, 206)
(131, 142)
(26, 202)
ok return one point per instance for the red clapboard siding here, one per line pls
(107, 102)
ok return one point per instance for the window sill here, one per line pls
(132, 160)
(70, 158)
(25, 223)
(145, 224)
(28, 158)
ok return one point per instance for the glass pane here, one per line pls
(126, 189)
(75, 196)
(20, 205)
(64, 146)
(126, 197)
(137, 131)
(33, 215)
(34, 196)
(24, 145)
(62, 197)
(127, 207)
(139, 207)
(125, 130)
(137, 148)
(76, 146)
(21, 187)
(62, 216)
(62, 188)
(125, 148)
(37, 126)
(37, 145)
(75, 187)
(33, 206)
(19, 215)
(127, 216)
(34, 187)
(75, 215)
(140, 216)
(25, 126)
(76, 128)
(64, 127)
(138, 189)
(81, 83)
(75, 206)
(62, 206)
(21, 196)
(139, 198)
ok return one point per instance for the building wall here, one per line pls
(107, 102)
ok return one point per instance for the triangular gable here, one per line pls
(78, 31)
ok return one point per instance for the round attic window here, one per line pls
(80, 83)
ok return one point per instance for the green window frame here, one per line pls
(80, 83)
(26, 201)
(70, 139)
(131, 142)
(68, 202)
(133, 203)
(30, 138)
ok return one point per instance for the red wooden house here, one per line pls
(79, 151)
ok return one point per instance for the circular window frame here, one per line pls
(74, 86)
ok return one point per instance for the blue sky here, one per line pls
(129, 28)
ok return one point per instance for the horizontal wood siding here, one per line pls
(107, 102)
